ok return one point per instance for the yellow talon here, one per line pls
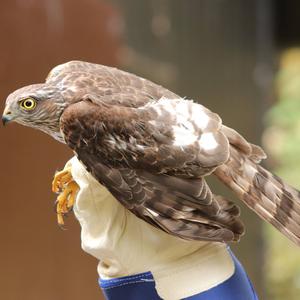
(61, 178)
(64, 184)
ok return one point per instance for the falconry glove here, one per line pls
(126, 245)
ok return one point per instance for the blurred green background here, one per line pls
(282, 141)
(239, 58)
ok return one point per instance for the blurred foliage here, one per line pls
(282, 142)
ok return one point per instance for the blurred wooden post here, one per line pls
(38, 260)
(209, 51)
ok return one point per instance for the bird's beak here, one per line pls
(7, 116)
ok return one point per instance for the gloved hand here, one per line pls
(126, 245)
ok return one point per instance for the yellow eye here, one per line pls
(28, 103)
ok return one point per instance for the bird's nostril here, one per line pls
(8, 113)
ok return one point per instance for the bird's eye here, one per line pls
(28, 103)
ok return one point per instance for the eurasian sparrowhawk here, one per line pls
(153, 149)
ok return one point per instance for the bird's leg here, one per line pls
(64, 184)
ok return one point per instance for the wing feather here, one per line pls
(106, 84)
(132, 152)
(147, 138)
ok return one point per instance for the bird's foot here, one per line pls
(64, 185)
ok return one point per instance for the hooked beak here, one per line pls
(7, 116)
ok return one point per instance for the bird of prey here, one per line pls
(152, 150)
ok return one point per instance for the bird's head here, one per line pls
(39, 106)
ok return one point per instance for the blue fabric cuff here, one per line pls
(116, 282)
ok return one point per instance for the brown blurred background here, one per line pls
(221, 53)
(37, 259)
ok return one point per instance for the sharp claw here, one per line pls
(57, 190)
(55, 206)
(62, 227)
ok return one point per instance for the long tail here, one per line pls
(266, 194)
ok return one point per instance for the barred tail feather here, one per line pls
(266, 194)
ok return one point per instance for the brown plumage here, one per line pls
(153, 149)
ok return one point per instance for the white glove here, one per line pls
(126, 245)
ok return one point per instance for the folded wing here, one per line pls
(153, 159)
